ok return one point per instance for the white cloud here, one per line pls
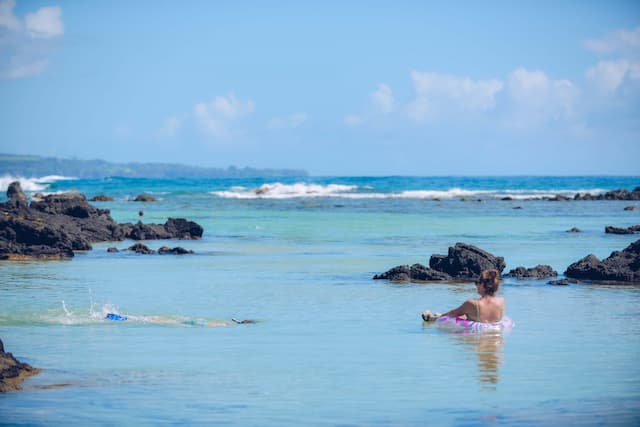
(382, 99)
(440, 93)
(607, 76)
(538, 99)
(216, 118)
(7, 19)
(625, 41)
(25, 46)
(45, 23)
(353, 120)
(289, 122)
(170, 127)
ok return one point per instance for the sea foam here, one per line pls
(32, 184)
(279, 190)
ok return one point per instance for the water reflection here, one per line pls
(489, 349)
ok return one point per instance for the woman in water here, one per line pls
(487, 309)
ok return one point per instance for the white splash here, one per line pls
(32, 184)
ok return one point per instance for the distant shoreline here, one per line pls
(37, 166)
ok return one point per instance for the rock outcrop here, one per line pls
(56, 225)
(466, 261)
(538, 272)
(463, 262)
(609, 229)
(620, 194)
(416, 272)
(12, 371)
(101, 198)
(145, 198)
(620, 266)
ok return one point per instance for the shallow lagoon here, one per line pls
(331, 346)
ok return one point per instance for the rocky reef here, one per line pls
(463, 262)
(12, 371)
(54, 226)
(538, 272)
(620, 266)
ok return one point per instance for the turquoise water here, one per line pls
(331, 347)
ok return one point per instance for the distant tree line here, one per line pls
(37, 166)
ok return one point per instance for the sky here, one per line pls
(332, 87)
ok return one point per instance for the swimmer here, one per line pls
(115, 317)
(486, 309)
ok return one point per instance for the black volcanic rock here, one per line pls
(538, 272)
(466, 261)
(141, 248)
(101, 198)
(609, 229)
(562, 282)
(56, 225)
(12, 371)
(620, 266)
(620, 194)
(463, 262)
(178, 250)
(145, 198)
(416, 272)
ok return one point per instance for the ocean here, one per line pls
(330, 346)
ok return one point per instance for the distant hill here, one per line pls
(37, 166)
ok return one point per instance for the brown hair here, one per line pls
(490, 281)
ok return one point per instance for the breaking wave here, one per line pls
(32, 184)
(304, 190)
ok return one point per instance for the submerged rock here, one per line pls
(141, 248)
(562, 282)
(101, 198)
(538, 272)
(620, 266)
(145, 198)
(12, 371)
(176, 251)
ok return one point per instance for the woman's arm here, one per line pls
(466, 309)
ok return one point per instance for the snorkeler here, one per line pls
(115, 317)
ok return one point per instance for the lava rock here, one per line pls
(176, 251)
(101, 198)
(617, 230)
(141, 248)
(12, 371)
(145, 198)
(620, 266)
(463, 262)
(562, 282)
(538, 272)
(466, 261)
(56, 225)
(416, 272)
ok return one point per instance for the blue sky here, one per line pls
(336, 88)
